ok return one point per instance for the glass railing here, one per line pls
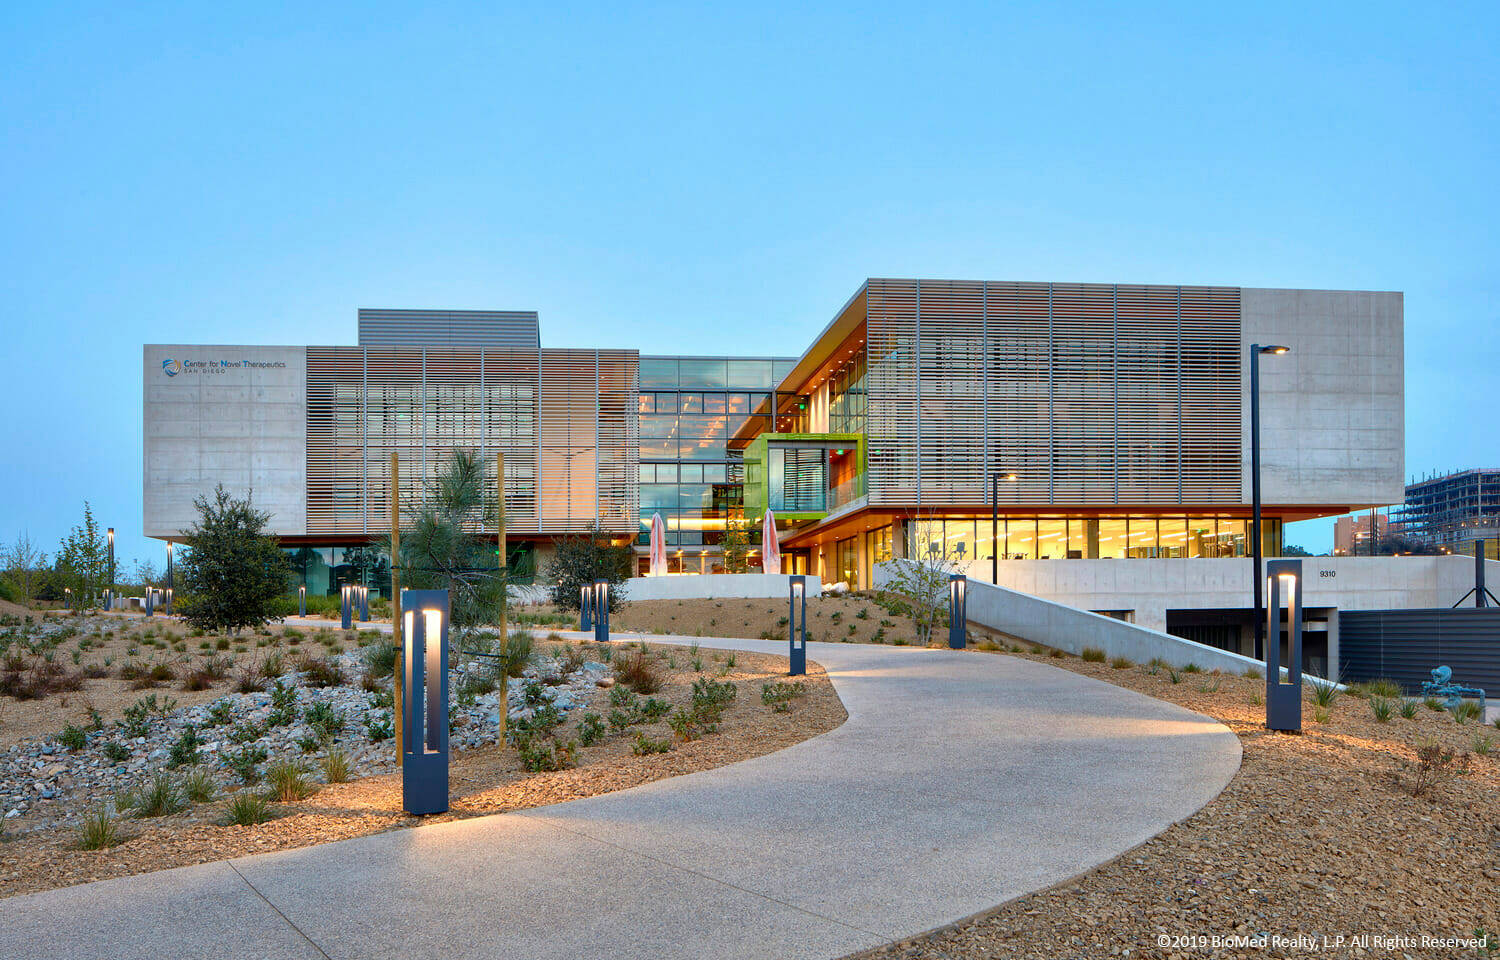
(843, 494)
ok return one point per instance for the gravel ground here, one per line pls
(485, 779)
(1318, 836)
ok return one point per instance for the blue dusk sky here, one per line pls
(690, 179)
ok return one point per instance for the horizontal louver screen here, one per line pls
(1088, 393)
(569, 416)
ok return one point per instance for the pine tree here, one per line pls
(232, 573)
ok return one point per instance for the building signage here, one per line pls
(172, 367)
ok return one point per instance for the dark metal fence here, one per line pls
(1405, 646)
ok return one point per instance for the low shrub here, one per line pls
(1482, 745)
(246, 809)
(779, 696)
(99, 830)
(1382, 687)
(590, 729)
(1465, 711)
(547, 757)
(336, 766)
(1408, 708)
(324, 719)
(1324, 694)
(116, 752)
(184, 750)
(1192, 668)
(321, 673)
(161, 798)
(220, 712)
(645, 745)
(638, 672)
(1381, 708)
(198, 786)
(380, 728)
(287, 781)
(1092, 655)
(1121, 663)
(246, 762)
(73, 738)
(197, 680)
(1435, 766)
(249, 680)
(1434, 704)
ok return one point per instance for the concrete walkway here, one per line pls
(959, 781)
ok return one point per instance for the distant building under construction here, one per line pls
(1454, 510)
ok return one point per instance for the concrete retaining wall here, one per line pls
(715, 586)
(1072, 630)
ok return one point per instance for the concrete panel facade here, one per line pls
(1149, 588)
(1333, 409)
(228, 415)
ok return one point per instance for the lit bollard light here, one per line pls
(424, 694)
(364, 604)
(1284, 700)
(302, 601)
(601, 610)
(796, 623)
(585, 607)
(346, 606)
(958, 611)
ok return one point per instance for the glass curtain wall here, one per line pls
(689, 407)
(1082, 538)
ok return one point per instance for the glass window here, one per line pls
(1051, 538)
(658, 427)
(1200, 537)
(662, 447)
(750, 373)
(1142, 537)
(1111, 538)
(702, 438)
(714, 472)
(648, 473)
(1083, 539)
(666, 402)
(691, 473)
(648, 403)
(737, 403)
(658, 496)
(1231, 538)
(780, 369)
(695, 496)
(1173, 536)
(691, 403)
(713, 403)
(925, 535)
(703, 373)
(983, 542)
(658, 371)
(958, 537)
(1020, 538)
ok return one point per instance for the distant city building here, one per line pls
(1351, 535)
(1454, 510)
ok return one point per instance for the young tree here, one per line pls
(144, 574)
(83, 559)
(922, 582)
(24, 565)
(580, 561)
(443, 546)
(232, 574)
(737, 532)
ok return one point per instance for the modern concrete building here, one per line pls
(1112, 419)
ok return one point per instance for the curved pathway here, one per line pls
(959, 781)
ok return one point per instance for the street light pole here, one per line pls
(1255, 545)
(995, 524)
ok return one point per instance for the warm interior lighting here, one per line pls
(432, 622)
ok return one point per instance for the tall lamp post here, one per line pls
(995, 524)
(1256, 350)
(109, 596)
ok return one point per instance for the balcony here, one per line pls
(803, 476)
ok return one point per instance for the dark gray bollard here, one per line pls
(958, 611)
(346, 607)
(601, 610)
(302, 601)
(424, 706)
(1284, 700)
(585, 607)
(796, 624)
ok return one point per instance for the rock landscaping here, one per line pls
(52, 784)
(145, 783)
